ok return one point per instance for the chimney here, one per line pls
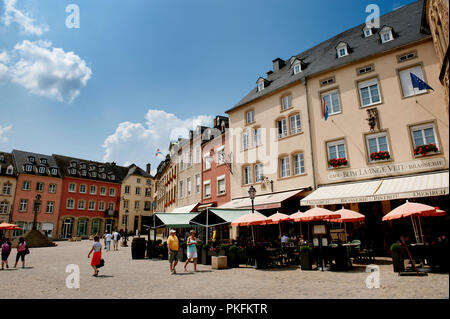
(148, 169)
(269, 72)
(277, 64)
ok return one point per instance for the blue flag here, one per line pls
(325, 110)
(419, 83)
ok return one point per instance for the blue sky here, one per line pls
(141, 68)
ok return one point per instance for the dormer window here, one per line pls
(54, 171)
(342, 49)
(43, 161)
(297, 67)
(73, 171)
(93, 167)
(28, 168)
(386, 34)
(102, 168)
(10, 170)
(260, 85)
(113, 177)
(83, 172)
(83, 166)
(103, 175)
(2, 158)
(367, 32)
(41, 170)
(31, 159)
(73, 164)
(94, 174)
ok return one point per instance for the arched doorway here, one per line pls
(67, 228)
(82, 226)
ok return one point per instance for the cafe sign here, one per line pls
(387, 170)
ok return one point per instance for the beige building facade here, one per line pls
(136, 201)
(8, 181)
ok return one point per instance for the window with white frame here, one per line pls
(39, 187)
(41, 170)
(23, 205)
(367, 31)
(342, 49)
(424, 134)
(282, 128)
(81, 204)
(188, 186)
(377, 143)
(220, 155)
(297, 67)
(250, 117)
(206, 189)
(7, 189)
(126, 203)
(26, 185)
(127, 189)
(197, 183)
(137, 204)
(54, 171)
(138, 191)
(148, 192)
(103, 191)
(336, 150)
(83, 172)
(31, 159)
(245, 140)
(260, 85)
(369, 93)
(259, 174)
(221, 189)
(405, 79)
(72, 187)
(9, 170)
(247, 171)
(331, 100)
(52, 188)
(91, 205)
(295, 124)
(111, 206)
(50, 207)
(285, 170)
(207, 161)
(70, 203)
(101, 206)
(83, 189)
(4, 207)
(386, 34)
(257, 141)
(112, 192)
(93, 189)
(180, 189)
(299, 164)
(286, 102)
(28, 168)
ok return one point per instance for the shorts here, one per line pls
(115, 242)
(173, 256)
(191, 254)
(5, 256)
(21, 255)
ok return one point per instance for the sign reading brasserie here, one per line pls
(388, 169)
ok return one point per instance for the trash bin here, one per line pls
(138, 247)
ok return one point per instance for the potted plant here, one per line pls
(425, 149)
(397, 261)
(241, 255)
(232, 256)
(337, 162)
(206, 259)
(380, 156)
(305, 257)
(224, 250)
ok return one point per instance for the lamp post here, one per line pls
(251, 193)
(125, 239)
(37, 203)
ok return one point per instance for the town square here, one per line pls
(224, 150)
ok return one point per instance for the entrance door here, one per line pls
(67, 228)
(109, 225)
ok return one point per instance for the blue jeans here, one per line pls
(108, 245)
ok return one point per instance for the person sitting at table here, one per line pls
(302, 240)
(284, 239)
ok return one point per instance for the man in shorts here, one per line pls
(173, 246)
(115, 239)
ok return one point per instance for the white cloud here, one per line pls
(138, 142)
(4, 58)
(49, 71)
(3, 131)
(14, 15)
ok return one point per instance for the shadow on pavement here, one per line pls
(104, 276)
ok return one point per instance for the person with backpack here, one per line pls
(6, 250)
(22, 250)
(115, 238)
(97, 256)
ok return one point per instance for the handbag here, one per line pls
(27, 251)
(101, 264)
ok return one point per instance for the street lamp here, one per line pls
(37, 203)
(251, 193)
(125, 239)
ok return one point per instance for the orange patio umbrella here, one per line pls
(7, 226)
(413, 210)
(315, 214)
(251, 219)
(347, 216)
(279, 218)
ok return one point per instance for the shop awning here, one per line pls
(185, 209)
(263, 201)
(432, 184)
(218, 216)
(174, 220)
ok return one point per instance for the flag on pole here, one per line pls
(419, 83)
(325, 109)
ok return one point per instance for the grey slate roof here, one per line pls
(407, 28)
(6, 160)
(21, 158)
(136, 170)
(64, 163)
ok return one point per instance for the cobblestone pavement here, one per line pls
(122, 277)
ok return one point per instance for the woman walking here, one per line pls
(191, 250)
(97, 256)
(6, 250)
(21, 252)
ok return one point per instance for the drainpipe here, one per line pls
(304, 81)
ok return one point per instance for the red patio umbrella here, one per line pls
(251, 219)
(278, 218)
(347, 216)
(7, 226)
(412, 210)
(315, 214)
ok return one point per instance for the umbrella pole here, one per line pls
(345, 230)
(300, 225)
(420, 227)
(309, 235)
(253, 235)
(279, 227)
(415, 228)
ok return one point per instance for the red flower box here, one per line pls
(337, 162)
(425, 149)
(380, 156)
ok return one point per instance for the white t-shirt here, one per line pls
(97, 246)
(284, 239)
(115, 235)
(108, 237)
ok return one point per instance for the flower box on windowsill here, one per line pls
(338, 162)
(425, 149)
(380, 156)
